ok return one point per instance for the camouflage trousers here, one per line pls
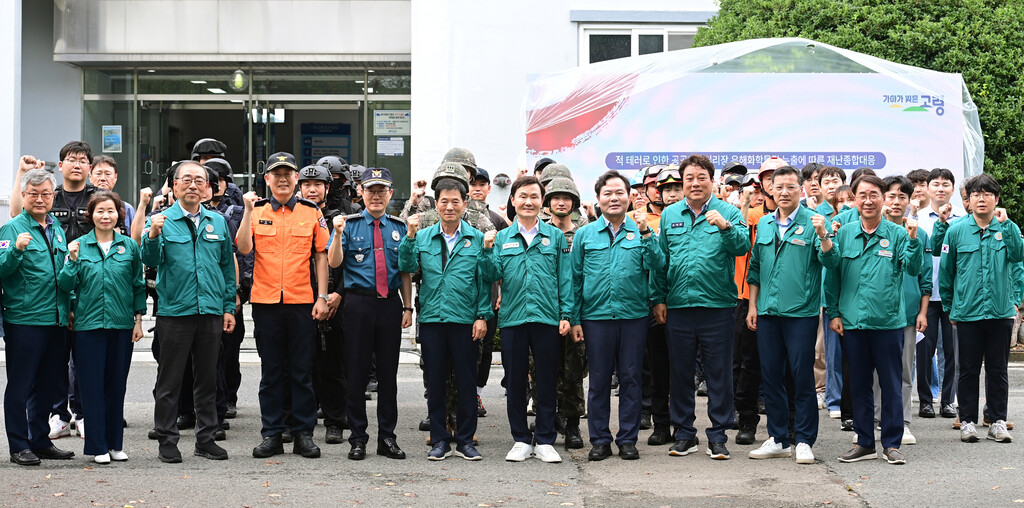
(572, 402)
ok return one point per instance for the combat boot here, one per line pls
(573, 439)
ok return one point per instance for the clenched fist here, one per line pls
(489, 239)
(1000, 214)
(911, 226)
(73, 250)
(22, 241)
(715, 219)
(29, 162)
(156, 224)
(818, 221)
(944, 212)
(640, 216)
(250, 198)
(413, 223)
(339, 224)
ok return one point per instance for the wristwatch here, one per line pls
(324, 297)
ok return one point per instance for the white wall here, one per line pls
(470, 63)
(10, 92)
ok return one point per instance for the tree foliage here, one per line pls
(981, 39)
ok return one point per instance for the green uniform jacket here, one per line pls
(103, 283)
(29, 277)
(609, 278)
(916, 286)
(536, 281)
(194, 275)
(976, 270)
(861, 289)
(456, 292)
(938, 238)
(788, 270)
(700, 260)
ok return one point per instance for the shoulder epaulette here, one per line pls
(307, 203)
(353, 216)
(395, 218)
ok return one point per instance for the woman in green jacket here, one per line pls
(104, 269)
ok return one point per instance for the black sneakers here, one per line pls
(682, 448)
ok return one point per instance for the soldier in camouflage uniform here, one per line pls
(571, 401)
(550, 172)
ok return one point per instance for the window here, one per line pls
(601, 42)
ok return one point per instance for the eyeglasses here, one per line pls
(188, 181)
(37, 195)
(78, 162)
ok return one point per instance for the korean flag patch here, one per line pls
(5, 244)
(945, 248)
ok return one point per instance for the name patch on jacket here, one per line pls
(885, 253)
(266, 222)
(678, 224)
(510, 245)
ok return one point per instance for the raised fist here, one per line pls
(489, 239)
(413, 222)
(250, 198)
(73, 250)
(944, 212)
(911, 225)
(156, 224)
(22, 241)
(715, 219)
(818, 221)
(29, 162)
(145, 196)
(339, 224)
(640, 216)
(1000, 214)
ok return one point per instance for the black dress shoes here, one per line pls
(53, 453)
(388, 447)
(25, 458)
(304, 446)
(358, 451)
(628, 451)
(600, 451)
(169, 453)
(186, 422)
(268, 448)
(333, 435)
(927, 411)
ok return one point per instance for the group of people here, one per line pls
(664, 287)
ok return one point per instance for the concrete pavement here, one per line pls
(940, 471)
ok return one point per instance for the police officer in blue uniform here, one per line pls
(365, 245)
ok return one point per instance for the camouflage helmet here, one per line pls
(452, 170)
(562, 185)
(552, 171)
(315, 172)
(464, 157)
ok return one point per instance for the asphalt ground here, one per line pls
(941, 471)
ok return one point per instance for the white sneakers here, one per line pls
(102, 459)
(804, 455)
(547, 453)
(519, 452)
(998, 433)
(118, 455)
(80, 426)
(835, 415)
(968, 433)
(770, 450)
(821, 400)
(522, 451)
(908, 438)
(59, 428)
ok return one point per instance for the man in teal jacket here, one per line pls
(32, 252)
(455, 305)
(531, 259)
(191, 250)
(790, 250)
(979, 290)
(874, 255)
(694, 294)
(610, 260)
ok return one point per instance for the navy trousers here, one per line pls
(104, 357)
(615, 346)
(34, 355)
(285, 340)
(712, 330)
(373, 336)
(986, 340)
(782, 342)
(68, 402)
(656, 374)
(937, 320)
(516, 344)
(444, 345)
(871, 351)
